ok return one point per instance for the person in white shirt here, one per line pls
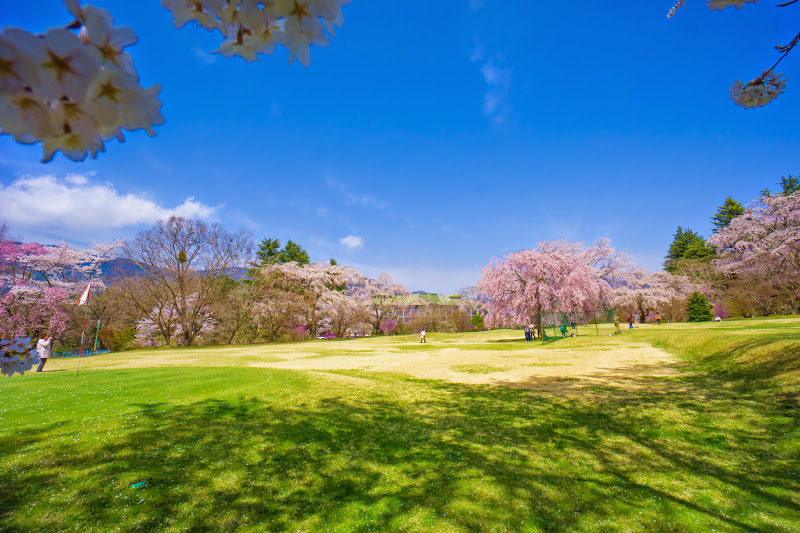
(43, 347)
(422, 336)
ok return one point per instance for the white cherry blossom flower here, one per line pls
(27, 118)
(759, 92)
(25, 365)
(12, 78)
(106, 97)
(20, 344)
(72, 92)
(722, 4)
(679, 4)
(251, 27)
(23, 53)
(8, 365)
(301, 32)
(98, 29)
(141, 109)
(68, 66)
(72, 145)
(330, 12)
(205, 12)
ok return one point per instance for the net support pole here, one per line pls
(597, 329)
(96, 334)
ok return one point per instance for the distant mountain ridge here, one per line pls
(122, 266)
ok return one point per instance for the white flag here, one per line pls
(85, 297)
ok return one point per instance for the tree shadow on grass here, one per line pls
(625, 378)
(751, 364)
(522, 340)
(461, 458)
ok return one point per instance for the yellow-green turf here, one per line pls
(195, 439)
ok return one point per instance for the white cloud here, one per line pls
(478, 53)
(203, 56)
(78, 179)
(74, 206)
(498, 79)
(364, 201)
(352, 242)
(157, 164)
(496, 76)
(275, 110)
(354, 198)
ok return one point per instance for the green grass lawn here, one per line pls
(196, 439)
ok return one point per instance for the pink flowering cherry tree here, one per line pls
(316, 283)
(522, 285)
(381, 297)
(762, 246)
(163, 326)
(36, 280)
(657, 291)
(343, 314)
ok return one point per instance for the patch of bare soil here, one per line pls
(579, 372)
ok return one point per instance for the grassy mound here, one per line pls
(762, 355)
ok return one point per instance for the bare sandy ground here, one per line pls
(568, 372)
(573, 367)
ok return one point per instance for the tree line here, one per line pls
(197, 283)
(750, 265)
(185, 282)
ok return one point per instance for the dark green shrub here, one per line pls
(697, 308)
(117, 339)
(477, 321)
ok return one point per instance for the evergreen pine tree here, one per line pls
(697, 308)
(698, 249)
(790, 184)
(268, 251)
(294, 252)
(678, 245)
(685, 241)
(725, 213)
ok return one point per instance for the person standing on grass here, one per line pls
(527, 331)
(636, 319)
(630, 321)
(43, 347)
(422, 337)
(658, 318)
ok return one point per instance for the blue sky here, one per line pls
(431, 136)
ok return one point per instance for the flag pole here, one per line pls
(83, 301)
(83, 334)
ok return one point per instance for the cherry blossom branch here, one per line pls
(766, 87)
